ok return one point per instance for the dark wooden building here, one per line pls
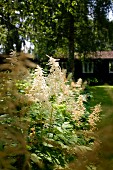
(97, 67)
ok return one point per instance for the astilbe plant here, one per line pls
(61, 123)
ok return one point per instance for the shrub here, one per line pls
(46, 120)
(60, 119)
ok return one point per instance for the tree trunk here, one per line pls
(70, 63)
(12, 36)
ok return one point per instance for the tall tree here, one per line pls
(9, 21)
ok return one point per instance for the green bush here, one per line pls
(60, 118)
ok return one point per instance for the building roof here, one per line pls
(91, 55)
(96, 55)
(103, 55)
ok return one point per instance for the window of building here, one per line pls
(88, 67)
(111, 67)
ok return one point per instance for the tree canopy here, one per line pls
(69, 25)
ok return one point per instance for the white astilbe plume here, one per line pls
(79, 108)
(94, 116)
(39, 88)
(79, 83)
(56, 78)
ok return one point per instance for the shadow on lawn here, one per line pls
(104, 95)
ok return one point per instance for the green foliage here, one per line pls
(47, 25)
(92, 81)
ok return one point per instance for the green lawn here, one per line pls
(104, 95)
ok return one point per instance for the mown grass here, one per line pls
(104, 95)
